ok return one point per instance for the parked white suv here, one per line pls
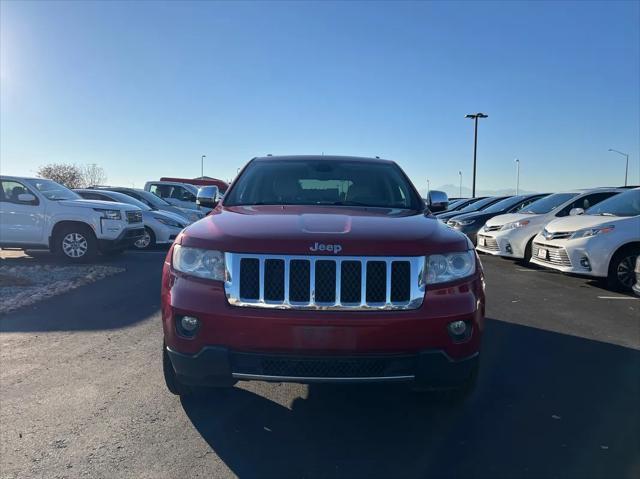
(511, 235)
(36, 213)
(603, 242)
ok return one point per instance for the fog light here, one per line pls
(509, 249)
(584, 262)
(189, 323)
(458, 328)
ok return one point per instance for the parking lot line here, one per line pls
(618, 297)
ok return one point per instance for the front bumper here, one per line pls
(509, 243)
(215, 366)
(124, 240)
(586, 256)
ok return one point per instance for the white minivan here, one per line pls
(603, 242)
(511, 235)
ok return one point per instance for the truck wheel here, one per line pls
(76, 243)
(621, 275)
(148, 241)
(173, 383)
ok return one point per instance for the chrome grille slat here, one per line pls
(414, 269)
(490, 243)
(555, 254)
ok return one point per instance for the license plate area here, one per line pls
(543, 253)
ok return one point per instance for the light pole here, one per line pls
(428, 187)
(202, 165)
(475, 117)
(626, 169)
(517, 175)
(460, 191)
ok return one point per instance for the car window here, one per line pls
(548, 203)
(623, 204)
(51, 190)
(585, 202)
(11, 190)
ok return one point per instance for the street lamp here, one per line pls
(460, 191)
(517, 175)
(202, 165)
(475, 117)
(626, 169)
(428, 187)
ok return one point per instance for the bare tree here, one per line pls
(63, 173)
(93, 174)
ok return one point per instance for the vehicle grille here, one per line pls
(321, 282)
(492, 228)
(557, 235)
(318, 367)
(490, 243)
(555, 254)
(134, 216)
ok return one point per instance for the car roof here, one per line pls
(363, 159)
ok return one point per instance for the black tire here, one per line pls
(527, 253)
(148, 242)
(75, 243)
(173, 383)
(621, 276)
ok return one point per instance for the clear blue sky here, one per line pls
(144, 89)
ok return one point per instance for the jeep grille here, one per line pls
(324, 282)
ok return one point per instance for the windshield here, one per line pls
(324, 182)
(624, 204)
(505, 204)
(153, 199)
(54, 191)
(478, 205)
(549, 203)
(122, 198)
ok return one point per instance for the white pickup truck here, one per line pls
(36, 213)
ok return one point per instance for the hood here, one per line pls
(574, 223)
(106, 205)
(509, 218)
(171, 216)
(446, 216)
(308, 230)
(189, 213)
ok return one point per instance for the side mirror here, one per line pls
(207, 196)
(26, 198)
(576, 211)
(437, 201)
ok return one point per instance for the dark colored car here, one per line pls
(470, 223)
(321, 269)
(457, 205)
(471, 208)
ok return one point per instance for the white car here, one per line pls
(160, 227)
(36, 213)
(182, 195)
(511, 235)
(603, 242)
(156, 203)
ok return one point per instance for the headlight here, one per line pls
(592, 231)
(515, 224)
(466, 222)
(442, 268)
(169, 222)
(204, 263)
(109, 214)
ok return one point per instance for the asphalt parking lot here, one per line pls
(82, 395)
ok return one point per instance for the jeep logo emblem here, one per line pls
(331, 248)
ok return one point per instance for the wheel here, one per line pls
(527, 252)
(173, 383)
(148, 241)
(621, 275)
(76, 243)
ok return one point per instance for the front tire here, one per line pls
(621, 275)
(148, 241)
(170, 378)
(76, 243)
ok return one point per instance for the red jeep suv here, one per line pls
(321, 269)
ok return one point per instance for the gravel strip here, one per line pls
(25, 285)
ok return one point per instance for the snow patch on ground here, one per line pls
(26, 285)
